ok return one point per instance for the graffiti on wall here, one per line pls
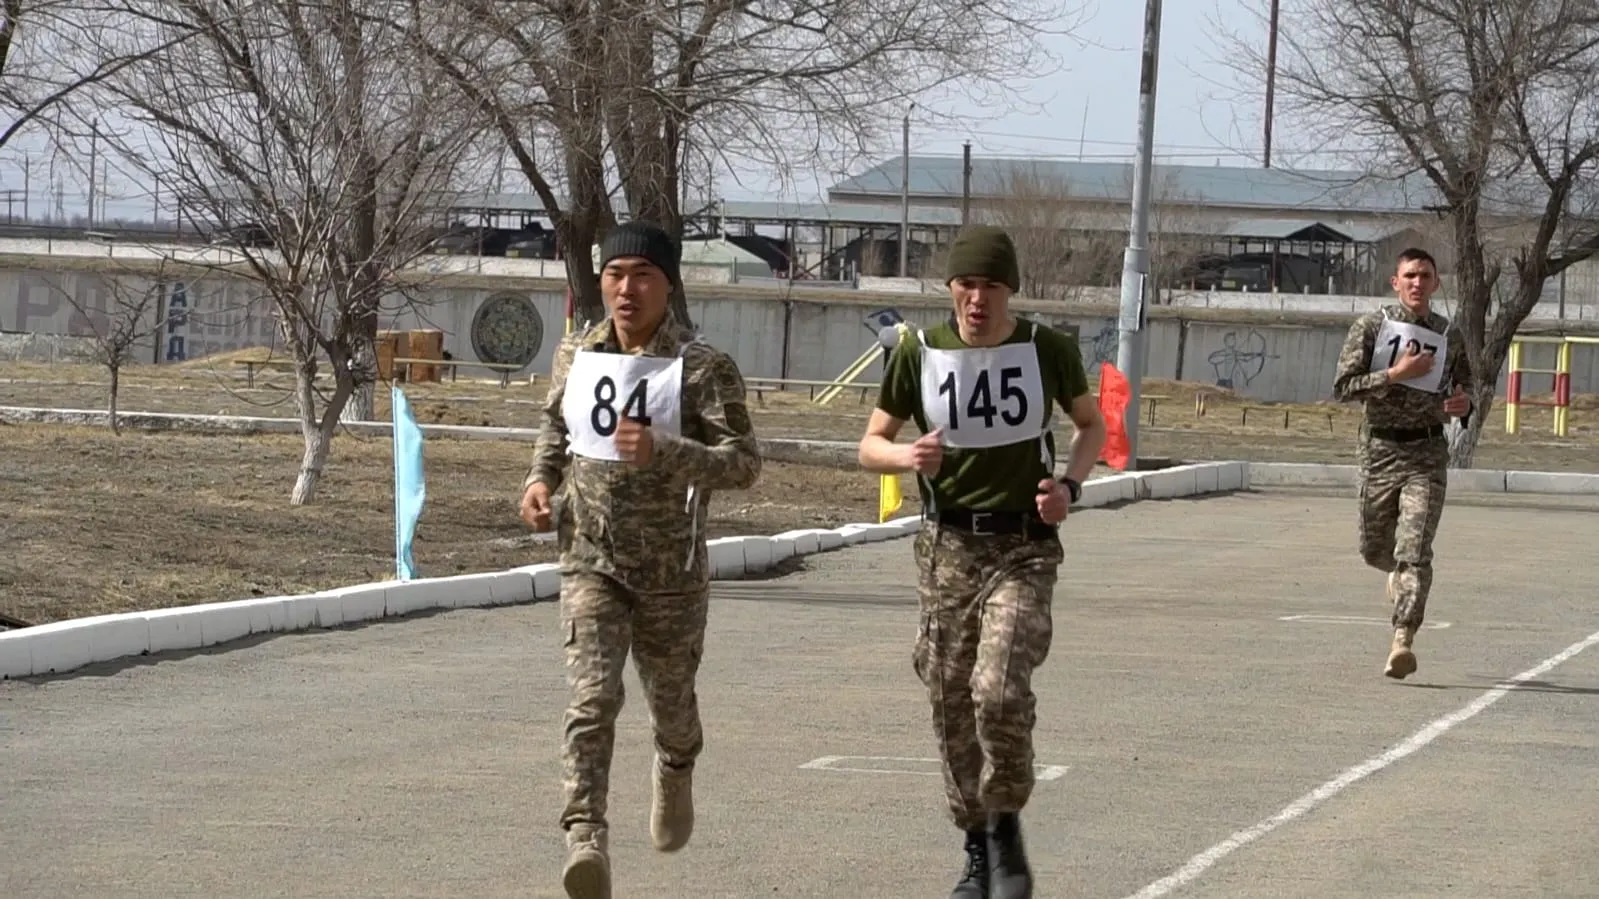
(1102, 346)
(1241, 359)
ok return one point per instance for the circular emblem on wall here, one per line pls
(507, 330)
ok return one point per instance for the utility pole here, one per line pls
(905, 198)
(1271, 76)
(1135, 262)
(966, 183)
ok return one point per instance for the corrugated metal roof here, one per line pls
(1275, 188)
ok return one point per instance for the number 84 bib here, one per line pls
(604, 388)
(984, 397)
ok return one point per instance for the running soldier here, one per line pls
(653, 420)
(1389, 363)
(982, 387)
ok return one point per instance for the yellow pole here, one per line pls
(1513, 396)
(1562, 386)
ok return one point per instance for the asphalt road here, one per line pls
(1218, 739)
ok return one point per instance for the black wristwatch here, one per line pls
(1073, 489)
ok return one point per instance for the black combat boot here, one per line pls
(974, 879)
(1010, 878)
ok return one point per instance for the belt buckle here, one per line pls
(976, 527)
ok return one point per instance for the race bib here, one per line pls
(1395, 339)
(983, 397)
(604, 388)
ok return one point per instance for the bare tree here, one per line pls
(1491, 106)
(1035, 209)
(52, 49)
(321, 154)
(634, 86)
(122, 313)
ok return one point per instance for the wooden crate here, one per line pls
(425, 344)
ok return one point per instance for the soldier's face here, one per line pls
(981, 305)
(1414, 282)
(635, 293)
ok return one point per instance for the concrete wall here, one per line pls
(798, 334)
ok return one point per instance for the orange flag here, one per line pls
(1113, 396)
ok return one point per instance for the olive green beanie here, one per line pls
(986, 252)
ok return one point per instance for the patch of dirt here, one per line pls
(98, 524)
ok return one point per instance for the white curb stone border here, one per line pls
(63, 646)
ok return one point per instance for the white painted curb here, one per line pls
(67, 645)
(1465, 480)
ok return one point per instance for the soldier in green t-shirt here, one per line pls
(982, 388)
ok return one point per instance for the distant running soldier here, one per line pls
(982, 388)
(654, 421)
(1390, 363)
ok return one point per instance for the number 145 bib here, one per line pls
(983, 397)
(604, 388)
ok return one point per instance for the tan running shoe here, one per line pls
(672, 815)
(1401, 658)
(588, 866)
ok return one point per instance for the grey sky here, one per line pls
(1201, 118)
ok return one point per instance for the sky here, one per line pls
(1090, 111)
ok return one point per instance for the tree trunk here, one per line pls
(362, 404)
(1463, 440)
(678, 304)
(587, 306)
(111, 401)
(318, 432)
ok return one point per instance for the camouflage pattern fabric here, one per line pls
(1402, 488)
(635, 523)
(985, 626)
(633, 559)
(600, 622)
(1402, 482)
(1395, 405)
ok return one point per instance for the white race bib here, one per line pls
(983, 397)
(1395, 339)
(603, 388)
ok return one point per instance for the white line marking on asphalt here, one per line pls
(830, 763)
(1202, 862)
(1357, 619)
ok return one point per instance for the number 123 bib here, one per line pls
(604, 388)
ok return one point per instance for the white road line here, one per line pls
(1204, 861)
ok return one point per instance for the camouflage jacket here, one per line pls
(638, 523)
(1397, 405)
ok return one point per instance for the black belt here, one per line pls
(985, 524)
(1405, 435)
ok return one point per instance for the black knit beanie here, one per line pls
(986, 252)
(637, 238)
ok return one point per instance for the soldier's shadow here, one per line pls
(1531, 686)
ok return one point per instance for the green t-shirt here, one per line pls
(992, 478)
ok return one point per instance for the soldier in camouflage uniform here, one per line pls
(982, 387)
(1390, 363)
(641, 423)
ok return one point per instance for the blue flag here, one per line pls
(410, 488)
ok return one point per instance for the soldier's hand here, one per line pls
(1413, 364)
(1457, 404)
(927, 453)
(1053, 501)
(634, 442)
(536, 510)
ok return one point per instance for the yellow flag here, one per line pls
(888, 497)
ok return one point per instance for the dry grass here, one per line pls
(97, 523)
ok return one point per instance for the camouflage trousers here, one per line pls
(985, 625)
(1402, 488)
(601, 622)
